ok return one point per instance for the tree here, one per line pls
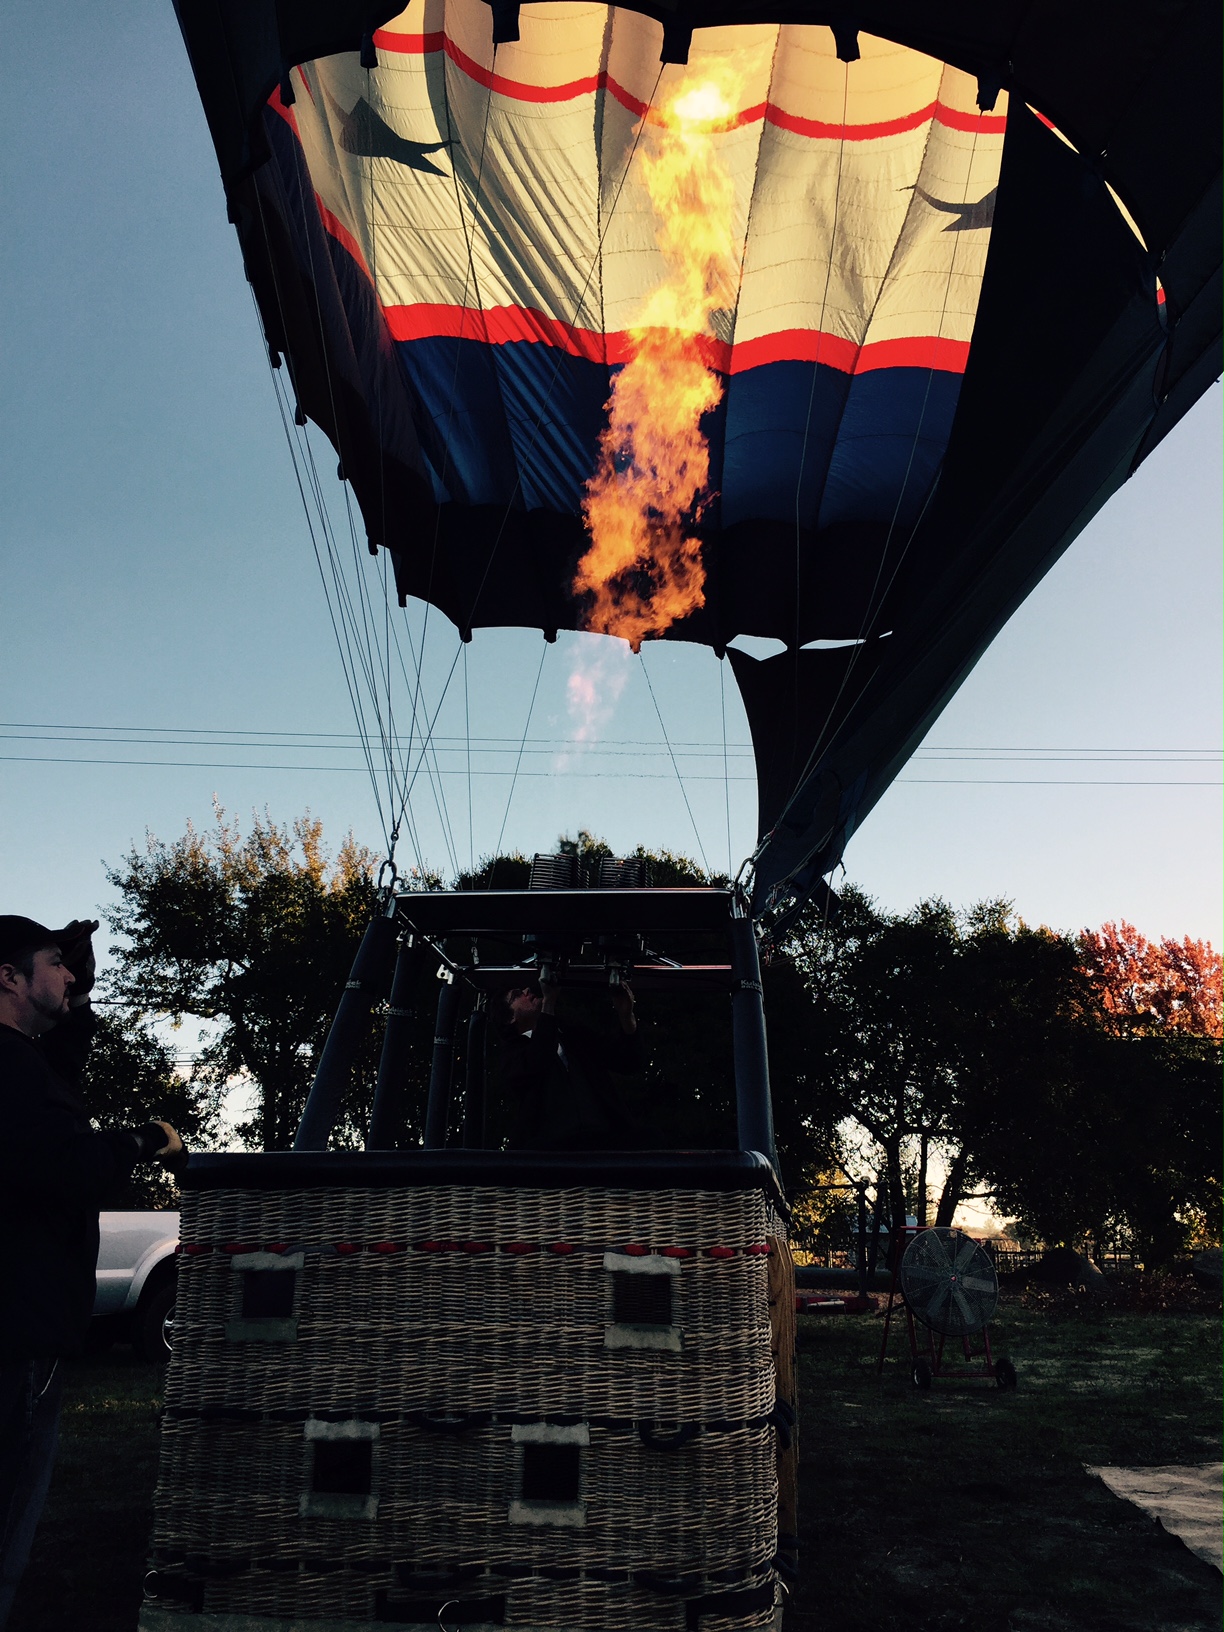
(254, 935)
(1154, 985)
(909, 1012)
(131, 1078)
(1123, 1144)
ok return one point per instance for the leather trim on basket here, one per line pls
(541, 1170)
(390, 1606)
(746, 1602)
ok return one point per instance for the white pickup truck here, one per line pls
(134, 1302)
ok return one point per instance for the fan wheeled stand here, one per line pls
(948, 1287)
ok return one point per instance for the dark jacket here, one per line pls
(567, 1100)
(55, 1171)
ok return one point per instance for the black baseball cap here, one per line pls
(18, 935)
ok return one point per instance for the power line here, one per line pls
(218, 737)
(618, 775)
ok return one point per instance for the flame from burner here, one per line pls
(643, 569)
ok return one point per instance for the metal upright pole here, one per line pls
(335, 1070)
(753, 1107)
(873, 1252)
(396, 1048)
(474, 1082)
(862, 1239)
(437, 1112)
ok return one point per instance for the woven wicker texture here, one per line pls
(441, 1318)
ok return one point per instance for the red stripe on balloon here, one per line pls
(419, 45)
(342, 235)
(503, 325)
(277, 106)
(522, 91)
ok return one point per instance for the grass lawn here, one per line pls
(960, 1508)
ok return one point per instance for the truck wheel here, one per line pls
(154, 1324)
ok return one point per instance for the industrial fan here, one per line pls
(947, 1285)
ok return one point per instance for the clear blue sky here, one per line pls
(158, 585)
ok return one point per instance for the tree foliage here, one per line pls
(1075, 1079)
(1120, 1141)
(1073, 1087)
(1145, 986)
(913, 1015)
(255, 935)
(131, 1078)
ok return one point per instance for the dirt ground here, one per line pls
(962, 1508)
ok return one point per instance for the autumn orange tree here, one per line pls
(1152, 986)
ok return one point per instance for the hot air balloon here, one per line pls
(666, 322)
(975, 287)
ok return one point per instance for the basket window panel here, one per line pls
(550, 1484)
(264, 1297)
(341, 1470)
(643, 1302)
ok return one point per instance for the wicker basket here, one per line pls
(545, 1407)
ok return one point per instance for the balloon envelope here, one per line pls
(943, 346)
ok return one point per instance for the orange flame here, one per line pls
(643, 569)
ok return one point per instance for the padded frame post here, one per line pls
(347, 1029)
(437, 1111)
(474, 1081)
(393, 1061)
(753, 1105)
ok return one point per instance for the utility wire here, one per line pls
(612, 747)
(626, 742)
(620, 775)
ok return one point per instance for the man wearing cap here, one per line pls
(55, 1172)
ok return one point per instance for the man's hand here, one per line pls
(549, 989)
(76, 948)
(622, 1002)
(173, 1143)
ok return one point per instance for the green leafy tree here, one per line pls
(996, 1045)
(253, 934)
(1121, 1144)
(926, 1022)
(884, 1028)
(131, 1078)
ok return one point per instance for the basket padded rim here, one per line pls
(536, 1170)
(153, 1619)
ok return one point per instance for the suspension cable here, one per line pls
(675, 766)
(501, 832)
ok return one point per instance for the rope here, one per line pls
(526, 728)
(345, 626)
(675, 766)
(349, 679)
(467, 743)
(722, 703)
